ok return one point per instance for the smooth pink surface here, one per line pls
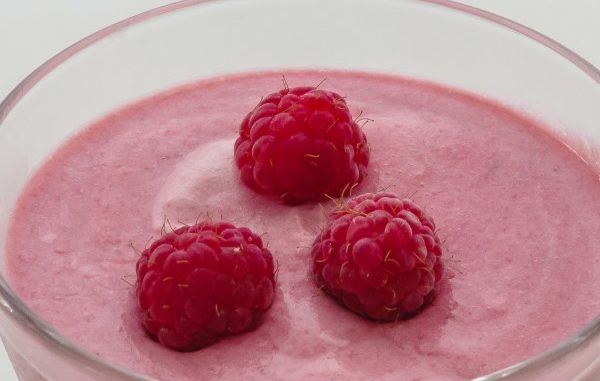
(518, 212)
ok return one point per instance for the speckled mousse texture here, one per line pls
(517, 211)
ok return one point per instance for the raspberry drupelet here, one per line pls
(301, 144)
(379, 256)
(202, 282)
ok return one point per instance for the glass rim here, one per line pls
(15, 309)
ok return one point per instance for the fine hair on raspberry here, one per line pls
(379, 256)
(200, 283)
(301, 144)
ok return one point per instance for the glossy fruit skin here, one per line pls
(301, 144)
(379, 256)
(202, 282)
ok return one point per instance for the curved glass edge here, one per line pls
(584, 65)
(15, 309)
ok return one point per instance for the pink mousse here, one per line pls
(518, 212)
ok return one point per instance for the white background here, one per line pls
(31, 31)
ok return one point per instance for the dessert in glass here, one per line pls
(489, 126)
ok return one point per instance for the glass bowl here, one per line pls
(436, 40)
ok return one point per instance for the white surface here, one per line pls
(31, 31)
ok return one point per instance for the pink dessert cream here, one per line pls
(516, 214)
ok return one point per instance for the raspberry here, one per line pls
(202, 282)
(301, 144)
(379, 256)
